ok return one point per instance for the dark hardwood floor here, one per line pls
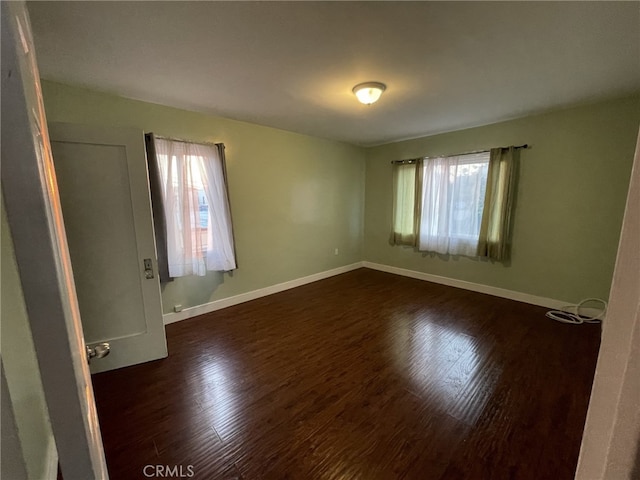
(365, 375)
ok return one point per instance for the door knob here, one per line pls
(98, 350)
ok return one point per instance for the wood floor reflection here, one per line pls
(365, 375)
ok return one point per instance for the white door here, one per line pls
(104, 193)
(31, 200)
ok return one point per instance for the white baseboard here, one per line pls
(262, 292)
(280, 287)
(475, 287)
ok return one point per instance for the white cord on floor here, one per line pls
(572, 313)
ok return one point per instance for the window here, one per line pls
(457, 205)
(199, 235)
(452, 203)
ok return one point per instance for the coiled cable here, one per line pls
(575, 314)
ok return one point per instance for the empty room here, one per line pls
(320, 240)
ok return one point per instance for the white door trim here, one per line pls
(35, 219)
(610, 447)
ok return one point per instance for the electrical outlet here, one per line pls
(336, 251)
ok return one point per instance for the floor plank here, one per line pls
(363, 375)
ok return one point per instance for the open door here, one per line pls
(104, 193)
(33, 212)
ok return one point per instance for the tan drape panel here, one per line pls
(157, 208)
(495, 230)
(221, 152)
(407, 191)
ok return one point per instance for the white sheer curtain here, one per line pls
(452, 203)
(196, 207)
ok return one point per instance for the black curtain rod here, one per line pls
(413, 160)
(180, 140)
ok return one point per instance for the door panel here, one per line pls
(104, 192)
(109, 263)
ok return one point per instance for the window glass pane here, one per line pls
(469, 182)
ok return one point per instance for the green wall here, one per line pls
(571, 196)
(294, 198)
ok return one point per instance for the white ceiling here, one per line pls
(292, 65)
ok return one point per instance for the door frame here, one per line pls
(35, 219)
(609, 444)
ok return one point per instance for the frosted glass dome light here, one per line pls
(369, 92)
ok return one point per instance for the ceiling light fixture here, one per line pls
(369, 92)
